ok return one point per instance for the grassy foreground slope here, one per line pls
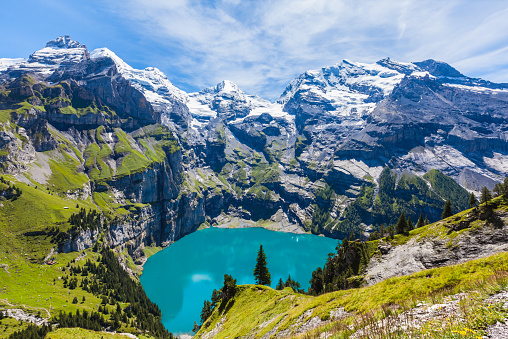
(258, 311)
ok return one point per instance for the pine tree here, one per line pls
(261, 273)
(504, 188)
(391, 231)
(228, 291)
(409, 224)
(280, 285)
(401, 224)
(426, 220)
(486, 195)
(206, 311)
(316, 283)
(447, 210)
(215, 297)
(295, 285)
(420, 222)
(498, 190)
(472, 200)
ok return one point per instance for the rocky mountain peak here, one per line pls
(107, 53)
(64, 42)
(226, 86)
(401, 67)
(62, 51)
(439, 68)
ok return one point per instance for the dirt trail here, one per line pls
(27, 307)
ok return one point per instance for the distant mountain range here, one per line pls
(345, 148)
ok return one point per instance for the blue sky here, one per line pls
(263, 44)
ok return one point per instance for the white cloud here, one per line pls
(261, 45)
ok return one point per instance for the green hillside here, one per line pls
(256, 311)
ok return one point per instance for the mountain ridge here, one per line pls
(336, 126)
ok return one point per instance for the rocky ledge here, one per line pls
(476, 239)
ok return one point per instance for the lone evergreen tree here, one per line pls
(228, 291)
(261, 273)
(472, 200)
(504, 188)
(498, 190)
(409, 224)
(401, 224)
(280, 285)
(295, 285)
(420, 221)
(215, 298)
(486, 195)
(447, 210)
(426, 222)
(316, 283)
(206, 311)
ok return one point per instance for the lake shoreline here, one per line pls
(180, 278)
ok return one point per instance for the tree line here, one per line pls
(107, 279)
(31, 332)
(9, 191)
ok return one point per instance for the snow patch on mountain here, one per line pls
(5, 63)
(350, 88)
(60, 52)
(422, 74)
(200, 108)
(453, 163)
(498, 162)
(64, 42)
(478, 89)
(226, 86)
(226, 99)
(150, 81)
(49, 56)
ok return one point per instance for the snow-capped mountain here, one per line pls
(60, 52)
(169, 100)
(151, 81)
(227, 101)
(422, 115)
(348, 88)
(9, 62)
(341, 124)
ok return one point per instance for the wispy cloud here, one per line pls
(261, 45)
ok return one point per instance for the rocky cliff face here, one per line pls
(79, 128)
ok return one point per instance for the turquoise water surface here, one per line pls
(182, 276)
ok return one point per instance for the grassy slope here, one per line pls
(65, 333)
(255, 305)
(25, 281)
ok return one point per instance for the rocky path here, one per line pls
(20, 315)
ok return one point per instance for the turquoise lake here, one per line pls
(182, 276)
